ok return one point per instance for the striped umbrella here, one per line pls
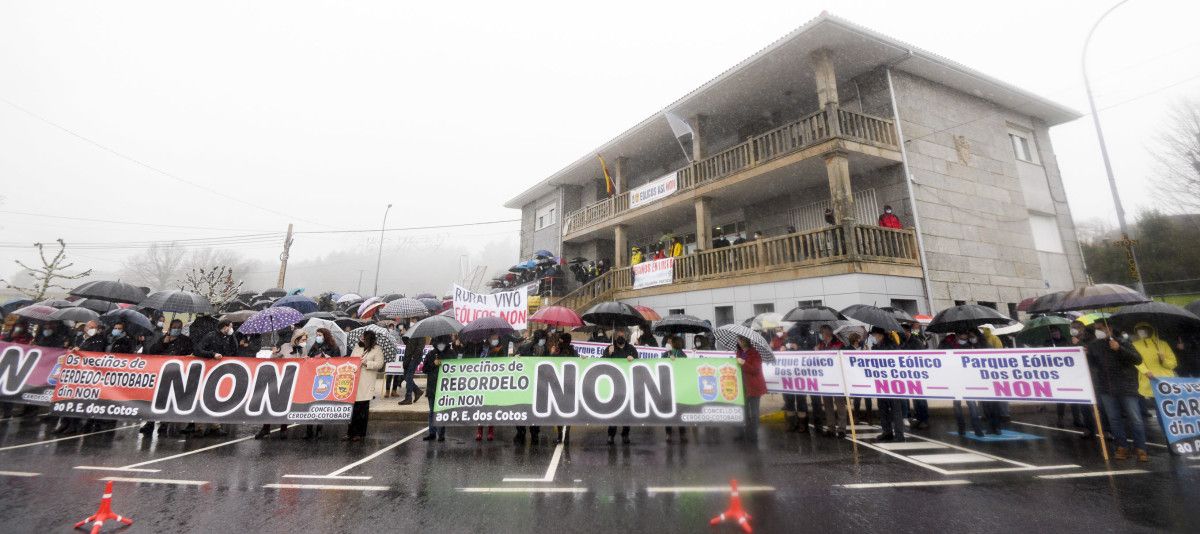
(371, 310)
(270, 320)
(383, 338)
(366, 304)
(178, 301)
(728, 335)
(405, 308)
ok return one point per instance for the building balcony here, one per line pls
(828, 130)
(847, 248)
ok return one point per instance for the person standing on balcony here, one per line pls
(635, 256)
(677, 248)
(888, 219)
(720, 241)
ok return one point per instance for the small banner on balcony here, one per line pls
(653, 273)
(653, 191)
(511, 305)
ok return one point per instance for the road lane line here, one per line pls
(1094, 474)
(1076, 432)
(705, 489)
(1010, 469)
(910, 446)
(331, 477)
(157, 481)
(76, 436)
(327, 486)
(104, 468)
(523, 490)
(921, 483)
(951, 458)
(550, 470)
(380, 451)
(18, 474)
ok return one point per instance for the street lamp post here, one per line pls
(1130, 253)
(379, 258)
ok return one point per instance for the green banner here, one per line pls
(582, 391)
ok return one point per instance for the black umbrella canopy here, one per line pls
(79, 315)
(424, 296)
(483, 328)
(275, 292)
(328, 316)
(36, 312)
(392, 296)
(1099, 296)
(235, 305)
(813, 314)
(1193, 307)
(98, 306)
(1046, 303)
(612, 313)
(13, 305)
(873, 316)
(177, 301)
(57, 304)
(433, 305)
(132, 319)
(1167, 318)
(965, 317)
(351, 323)
(201, 327)
(111, 291)
(681, 324)
(436, 326)
(239, 316)
(900, 315)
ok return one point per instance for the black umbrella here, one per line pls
(1099, 296)
(235, 305)
(1167, 318)
(247, 295)
(1045, 303)
(347, 322)
(57, 304)
(873, 316)
(98, 306)
(424, 296)
(613, 314)
(433, 305)
(436, 326)
(275, 292)
(260, 305)
(681, 324)
(965, 317)
(483, 328)
(393, 296)
(239, 316)
(178, 301)
(814, 314)
(131, 319)
(1193, 307)
(79, 315)
(13, 305)
(329, 316)
(111, 291)
(202, 326)
(900, 315)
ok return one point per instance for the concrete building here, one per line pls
(837, 116)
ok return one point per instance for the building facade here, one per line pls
(804, 143)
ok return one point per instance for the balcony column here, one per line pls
(620, 247)
(826, 77)
(621, 175)
(841, 196)
(699, 124)
(703, 223)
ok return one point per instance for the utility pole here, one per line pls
(283, 257)
(360, 274)
(379, 258)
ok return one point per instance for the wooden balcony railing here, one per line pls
(816, 247)
(787, 139)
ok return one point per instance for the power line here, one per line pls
(437, 226)
(130, 223)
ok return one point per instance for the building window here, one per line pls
(959, 302)
(724, 315)
(675, 311)
(545, 216)
(1012, 310)
(1046, 237)
(764, 308)
(991, 305)
(809, 303)
(1023, 146)
(908, 305)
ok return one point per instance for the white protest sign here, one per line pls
(653, 191)
(653, 273)
(804, 372)
(1035, 374)
(511, 305)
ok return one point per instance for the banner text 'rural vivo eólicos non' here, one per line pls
(224, 390)
(511, 305)
(582, 391)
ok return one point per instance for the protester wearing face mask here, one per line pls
(19, 334)
(494, 348)
(414, 351)
(961, 341)
(324, 345)
(433, 363)
(1114, 366)
(888, 219)
(646, 338)
(1055, 338)
(51, 335)
(675, 343)
(1158, 361)
(620, 349)
(120, 342)
(779, 339)
(891, 416)
(535, 347)
(371, 360)
(93, 338)
(218, 344)
(174, 343)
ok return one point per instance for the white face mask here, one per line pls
(778, 334)
(1100, 334)
(160, 324)
(1143, 334)
(91, 332)
(962, 342)
(17, 329)
(541, 342)
(229, 331)
(320, 339)
(495, 342)
(441, 346)
(1074, 332)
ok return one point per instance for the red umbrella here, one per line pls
(370, 311)
(557, 316)
(648, 314)
(1025, 304)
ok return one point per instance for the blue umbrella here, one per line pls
(544, 253)
(299, 303)
(270, 320)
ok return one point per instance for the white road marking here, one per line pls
(952, 482)
(18, 474)
(380, 451)
(889, 449)
(157, 481)
(549, 476)
(1193, 457)
(76, 436)
(327, 486)
(523, 490)
(1095, 474)
(129, 469)
(706, 489)
(911, 445)
(1076, 432)
(951, 458)
(1011, 469)
(331, 477)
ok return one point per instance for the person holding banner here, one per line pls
(754, 385)
(891, 411)
(1114, 366)
(294, 348)
(174, 343)
(560, 345)
(433, 363)
(52, 335)
(535, 347)
(494, 349)
(19, 334)
(371, 356)
(676, 351)
(120, 343)
(835, 407)
(620, 349)
(962, 341)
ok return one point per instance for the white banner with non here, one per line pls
(511, 305)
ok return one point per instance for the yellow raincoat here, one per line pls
(1157, 359)
(677, 250)
(636, 257)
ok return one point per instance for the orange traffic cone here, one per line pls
(105, 512)
(735, 511)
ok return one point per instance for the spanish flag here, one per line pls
(608, 183)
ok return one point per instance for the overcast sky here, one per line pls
(322, 113)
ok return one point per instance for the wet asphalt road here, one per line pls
(224, 484)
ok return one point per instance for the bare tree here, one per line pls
(211, 258)
(47, 276)
(157, 266)
(215, 284)
(1178, 156)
